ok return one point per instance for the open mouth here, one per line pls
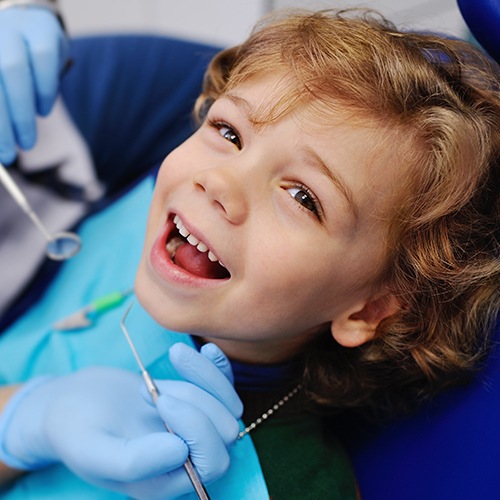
(192, 255)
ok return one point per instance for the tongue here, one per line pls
(198, 263)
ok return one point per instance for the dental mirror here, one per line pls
(60, 246)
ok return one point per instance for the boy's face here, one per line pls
(297, 211)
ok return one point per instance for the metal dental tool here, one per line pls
(154, 393)
(61, 245)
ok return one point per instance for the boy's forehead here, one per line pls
(267, 98)
(264, 97)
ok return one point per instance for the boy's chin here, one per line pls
(162, 309)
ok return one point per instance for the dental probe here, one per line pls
(154, 393)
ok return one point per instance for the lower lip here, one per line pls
(167, 271)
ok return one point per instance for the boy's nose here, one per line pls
(225, 191)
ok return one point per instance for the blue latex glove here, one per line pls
(100, 423)
(33, 51)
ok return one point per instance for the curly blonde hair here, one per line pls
(443, 96)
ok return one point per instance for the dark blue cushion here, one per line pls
(450, 450)
(132, 96)
(483, 19)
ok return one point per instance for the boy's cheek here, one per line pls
(174, 169)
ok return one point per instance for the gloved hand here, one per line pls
(101, 425)
(33, 50)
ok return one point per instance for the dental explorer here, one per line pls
(60, 245)
(154, 393)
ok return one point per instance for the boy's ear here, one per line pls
(358, 324)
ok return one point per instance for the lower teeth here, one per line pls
(173, 245)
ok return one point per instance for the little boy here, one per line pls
(332, 226)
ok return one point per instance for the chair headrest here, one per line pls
(483, 19)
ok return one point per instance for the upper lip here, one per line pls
(194, 238)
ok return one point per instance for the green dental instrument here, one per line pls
(85, 317)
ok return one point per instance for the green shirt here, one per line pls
(301, 461)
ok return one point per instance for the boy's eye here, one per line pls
(303, 196)
(228, 133)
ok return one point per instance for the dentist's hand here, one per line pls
(33, 51)
(99, 422)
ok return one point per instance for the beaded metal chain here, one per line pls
(269, 412)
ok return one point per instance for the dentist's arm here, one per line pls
(33, 52)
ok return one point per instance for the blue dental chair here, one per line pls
(131, 97)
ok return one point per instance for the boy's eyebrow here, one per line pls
(239, 101)
(317, 162)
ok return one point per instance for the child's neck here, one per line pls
(260, 352)
(265, 377)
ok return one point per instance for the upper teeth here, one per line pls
(193, 240)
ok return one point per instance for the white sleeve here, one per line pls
(47, 4)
